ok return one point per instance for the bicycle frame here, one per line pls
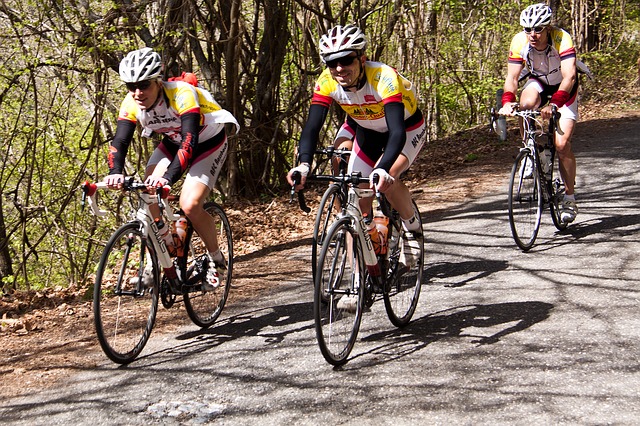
(353, 211)
(531, 132)
(145, 218)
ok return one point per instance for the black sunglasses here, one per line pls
(537, 30)
(142, 85)
(345, 61)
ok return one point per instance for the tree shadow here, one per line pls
(468, 270)
(458, 322)
(280, 320)
(512, 316)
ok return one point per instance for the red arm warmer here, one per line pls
(560, 98)
(508, 97)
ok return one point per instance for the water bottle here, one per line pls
(382, 223)
(179, 233)
(373, 233)
(165, 234)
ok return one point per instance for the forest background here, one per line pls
(60, 92)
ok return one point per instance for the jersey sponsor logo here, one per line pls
(417, 139)
(219, 159)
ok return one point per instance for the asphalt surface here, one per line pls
(551, 336)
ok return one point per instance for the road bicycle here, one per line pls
(532, 185)
(350, 273)
(136, 269)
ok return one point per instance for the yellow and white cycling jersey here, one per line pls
(366, 106)
(543, 65)
(178, 98)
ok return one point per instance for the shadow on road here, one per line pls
(482, 324)
(478, 268)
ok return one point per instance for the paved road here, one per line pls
(497, 338)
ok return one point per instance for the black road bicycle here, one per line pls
(350, 273)
(535, 181)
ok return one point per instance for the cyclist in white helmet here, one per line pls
(194, 140)
(549, 57)
(381, 107)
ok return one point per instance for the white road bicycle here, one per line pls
(136, 269)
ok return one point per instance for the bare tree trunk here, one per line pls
(6, 270)
(233, 93)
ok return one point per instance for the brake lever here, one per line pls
(296, 177)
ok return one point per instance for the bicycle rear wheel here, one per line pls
(557, 195)
(405, 280)
(525, 201)
(125, 301)
(339, 288)
(204, 307)
(329, 204)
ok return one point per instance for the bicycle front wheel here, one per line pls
(406, 262)
(205, 306)
(339, 288)
(525, 200)
(329, 205)
(125, 294)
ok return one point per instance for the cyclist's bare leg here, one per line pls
(192, 199)
(398, 194)
(340, 143)
(567, 160)
(194, 195)
(529, 99)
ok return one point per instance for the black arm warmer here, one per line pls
(311, 132)
(190, 124)
(120, 146)
(394, 115)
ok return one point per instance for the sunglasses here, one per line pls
(345, 61)
(142, 85)
(537, 30)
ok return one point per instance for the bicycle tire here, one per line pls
(401, 297)
(341, 273)
(323, 221)
(204, 307)
(525, 202)
(556, 189)
(124, 309)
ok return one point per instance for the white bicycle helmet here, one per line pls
(536, 15)
(340, 41)
(139, 65)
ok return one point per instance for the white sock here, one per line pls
(217, 257)
(412, 224)
(571, 197)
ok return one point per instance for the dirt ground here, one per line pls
(47, 335)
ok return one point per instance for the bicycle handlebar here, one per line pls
(554, 121)
(332, 151)
(130, 184)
